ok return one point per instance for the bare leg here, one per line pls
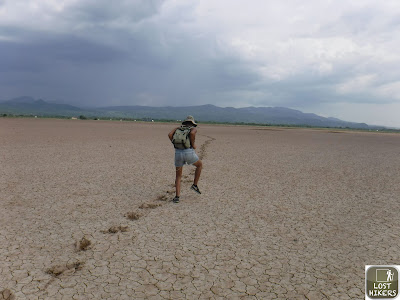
(199, 166)
(178, 180)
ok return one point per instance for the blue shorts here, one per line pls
(185, 156)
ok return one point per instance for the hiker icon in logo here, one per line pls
(390, 275)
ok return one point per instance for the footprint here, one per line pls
(83, 245)
(133, 215)
(115, 229)
(202, 152)
(7, 295)
(163, 197)
(123, 228)
(149, 205)
(60, 269)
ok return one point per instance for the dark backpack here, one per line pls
(181, 139)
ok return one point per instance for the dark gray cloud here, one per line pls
(45, 52)
(315, 56)
(103, 11)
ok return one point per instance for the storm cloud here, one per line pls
(334, 58)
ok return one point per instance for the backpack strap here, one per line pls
(188, 135)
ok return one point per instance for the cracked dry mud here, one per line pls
(284, 213)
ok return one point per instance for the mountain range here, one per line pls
(203, 113)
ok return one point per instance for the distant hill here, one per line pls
(203, 113)
(23, 99)
(211, 113)
(29, 106)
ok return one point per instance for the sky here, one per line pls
(335, 58)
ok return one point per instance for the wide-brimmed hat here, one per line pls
(189, 119)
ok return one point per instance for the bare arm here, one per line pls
(192, 137)
(171, 134)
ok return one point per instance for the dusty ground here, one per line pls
(284, 214)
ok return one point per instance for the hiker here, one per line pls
(183, 138)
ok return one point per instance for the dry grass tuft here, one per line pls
(83, 244)
(58, 270)
(7, 295)
(133, 215)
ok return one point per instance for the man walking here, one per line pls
(184, 140)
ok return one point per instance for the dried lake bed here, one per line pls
(285, 213)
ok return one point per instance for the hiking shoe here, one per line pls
(195, 188)
(176, 199)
